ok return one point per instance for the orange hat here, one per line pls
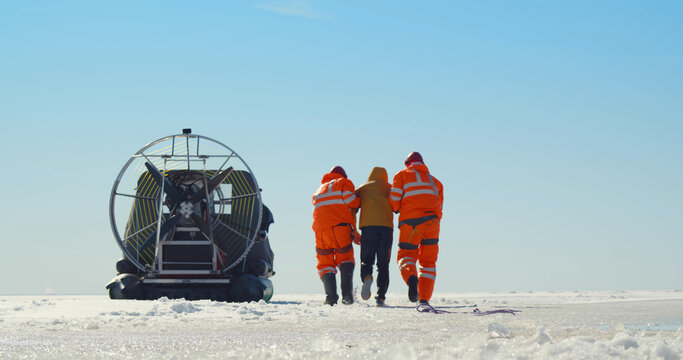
(339, 170)
(414, 157)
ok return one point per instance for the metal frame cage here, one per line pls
(185, 204)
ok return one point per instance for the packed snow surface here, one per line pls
(551, 325)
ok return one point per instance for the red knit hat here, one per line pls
(414, 157)
(339, 170)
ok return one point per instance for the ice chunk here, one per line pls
(184, 307)
(625, 341)
(541, 337)
(665, 352)
(497, 330)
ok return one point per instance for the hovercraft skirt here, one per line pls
(241, 288)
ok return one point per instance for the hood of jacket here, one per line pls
(418, 167)
(330, 176)
(378, 173)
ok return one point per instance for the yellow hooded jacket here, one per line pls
(375, 209)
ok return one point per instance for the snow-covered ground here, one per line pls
(551, 325)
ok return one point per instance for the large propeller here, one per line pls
(169, 189)
(182, 201)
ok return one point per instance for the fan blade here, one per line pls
(169, 189)
(165, 228)
(218, 179)
(211, 185)
(204, 228)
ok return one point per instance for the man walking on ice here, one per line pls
(377, 224)
(335, 227)
(418, 197)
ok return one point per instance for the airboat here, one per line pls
(187, 213)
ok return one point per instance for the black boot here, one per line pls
(330, 285)
(412, 288)
(346, 270)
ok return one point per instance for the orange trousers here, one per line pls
(419, 243)
(333, 247)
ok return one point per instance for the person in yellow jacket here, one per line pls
(377, 229)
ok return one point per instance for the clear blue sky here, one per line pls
(555, 127)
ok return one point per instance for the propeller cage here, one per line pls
(185, 204)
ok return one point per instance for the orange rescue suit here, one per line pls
(333, 222)
(418, 196)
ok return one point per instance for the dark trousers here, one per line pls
(376, 243)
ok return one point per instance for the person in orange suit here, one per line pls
(418, 197)
(334, 224)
